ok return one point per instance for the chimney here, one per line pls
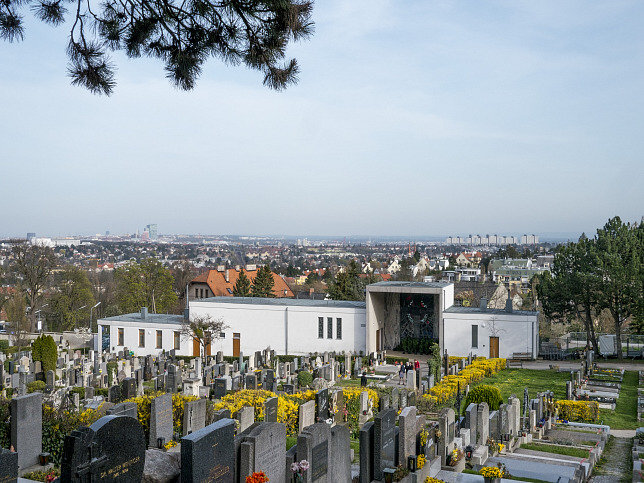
(483, 303)
(508, 303)
(227, 276)
(144, 313)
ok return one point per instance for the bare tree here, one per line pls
(183, 272)
(203, 329)
(33, 265)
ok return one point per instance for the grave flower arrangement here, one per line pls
(491, 472)
(298, 470)
(455, 456)
(257, 477)
(429, 479)
(420, 461)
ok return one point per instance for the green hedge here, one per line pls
(485, 393)
(44, 349)
(35, 386)
(415, 346)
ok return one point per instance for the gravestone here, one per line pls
(219, 390)
(251, 381)
(306, 415)
(172, 381)
(470, 423)
(128, 409)
(322, 405)
(194, 416)
(338, 404)
(26, 428)
(207, 455)
(482, 423)
(264, 449)
(270, 410)
(407, 438)
(161, 426)
(114, 394)
(446, 425)
(8, 466)
(246, 416)
(366, 452)
(111, 450)
(384, 442)
(339, 455)
(313, 446)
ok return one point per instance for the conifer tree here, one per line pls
(263, 285)
(181, 34)
(242, 286)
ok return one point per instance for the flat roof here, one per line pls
(477, 310)
(410, 284)
(349, 304)
(153, 318)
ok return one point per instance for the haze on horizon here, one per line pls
(439, 118)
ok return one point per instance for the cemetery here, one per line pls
(83, 415)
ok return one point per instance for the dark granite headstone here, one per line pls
(114, 394)
(251, 381)
(219, 388)
(322, 405)
(366, 452)
(384, 442)
(110, 450)
(8, 466)
(208, 455)
(128, 388)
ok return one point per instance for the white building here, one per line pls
(393, 312)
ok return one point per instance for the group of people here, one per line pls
(404, 368)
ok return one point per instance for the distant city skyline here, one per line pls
(442, 118)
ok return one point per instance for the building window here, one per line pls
(141, 338)
(320, 327)
(121, 337)
(177, 340)
(475, 336)
(329, 327)
(338, 328)
(222, 335)
(159, 339)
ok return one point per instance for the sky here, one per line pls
(410, 118)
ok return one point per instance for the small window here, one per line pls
(475, 336)
(121, 337)
(159, 339)
(141, 338)
(329, 327)
(177, 340)
(222, 335)
(338, 328)
(320, 327)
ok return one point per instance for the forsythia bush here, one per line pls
(583, 411)
(143, 410)
(447, 387)
(56, 424)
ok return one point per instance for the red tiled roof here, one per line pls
(220, 287)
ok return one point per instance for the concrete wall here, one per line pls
(286, 329)
(516, 333)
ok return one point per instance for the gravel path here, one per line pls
(617, 461)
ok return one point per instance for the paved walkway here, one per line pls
(616, 462)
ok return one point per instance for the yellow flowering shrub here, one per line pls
(144, 402)
(583, 411)
(446, 389)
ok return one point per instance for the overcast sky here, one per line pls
(410, 118)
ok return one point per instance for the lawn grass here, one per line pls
(551, 448)
(514, 381)
(625, 414)
(347, 382)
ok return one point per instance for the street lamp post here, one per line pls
(90, 315)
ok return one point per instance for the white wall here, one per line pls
(286, 329)
(131, 337)
(516, 333)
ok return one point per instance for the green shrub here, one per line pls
(111, 372)
(413, 345)
(4, 345)
(399, 360)
(35, 386)
(101, 391)
(304, 378)
(80, 391)
(485, 393)
(44, 349)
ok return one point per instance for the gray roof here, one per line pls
(285, 302)
(152, 318)
(410, 284)
(477, 310)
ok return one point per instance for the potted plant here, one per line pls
(491, 474)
